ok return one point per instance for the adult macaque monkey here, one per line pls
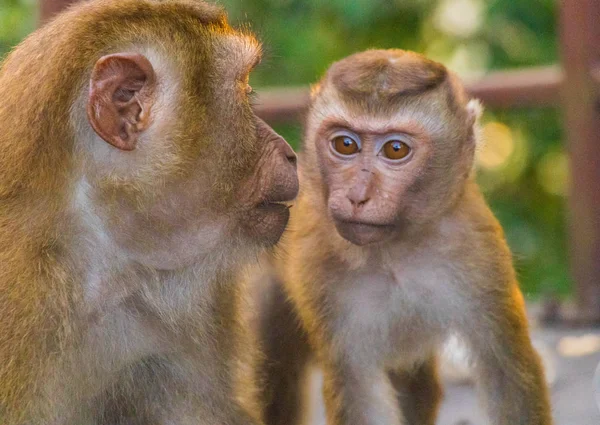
(134, 180)
(391, 249)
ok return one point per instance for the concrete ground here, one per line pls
(571, 357)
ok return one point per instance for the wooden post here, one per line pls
(49, 8)
(580, 43)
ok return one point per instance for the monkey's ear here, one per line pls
(475, 110)
(122, 92)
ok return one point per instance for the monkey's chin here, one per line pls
(266, 223)
(363, 233)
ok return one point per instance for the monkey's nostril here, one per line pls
(287, 150)
(292, 159)
(358, 202)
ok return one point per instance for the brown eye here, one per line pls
(396, 149)
(345, 145)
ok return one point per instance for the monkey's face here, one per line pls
(370, 177)
(262, 198)
(390, 140)
(252, 168)
(189, 171)
(380, 177)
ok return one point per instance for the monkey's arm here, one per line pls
(419, 392)
(510, 372)
(359, 395)
(287, 354)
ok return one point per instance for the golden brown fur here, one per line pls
(427, 259)
(116, 295)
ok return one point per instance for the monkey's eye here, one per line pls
(396, 149)
(345, 145)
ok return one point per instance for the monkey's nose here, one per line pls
(290, 155)
(358, 195)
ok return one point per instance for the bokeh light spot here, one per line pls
(553, 173)
(498, 145)
(460, 18)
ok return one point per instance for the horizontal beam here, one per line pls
(532, 87)
(282, 104)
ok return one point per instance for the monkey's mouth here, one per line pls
(266, 222)
(274, 208)
(278, 200)
(268, 218)
(276, 205)
(363, 232)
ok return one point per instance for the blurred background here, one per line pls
(523, 168)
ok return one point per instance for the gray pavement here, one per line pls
(573, 398)
(571, 357)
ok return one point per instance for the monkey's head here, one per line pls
(391, 140)
(170, 163)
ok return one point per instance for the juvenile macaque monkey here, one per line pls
(134, 180)
(391, 249)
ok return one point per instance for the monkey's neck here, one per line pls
(108, 275)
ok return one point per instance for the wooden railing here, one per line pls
(503, 89)
(574, 86)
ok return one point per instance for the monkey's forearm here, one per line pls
(511, 402)
(512, 376)
(419, 393)
(356, 396)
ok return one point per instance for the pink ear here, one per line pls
(122, 91)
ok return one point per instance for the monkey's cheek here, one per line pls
(363, 234)
(266, 223)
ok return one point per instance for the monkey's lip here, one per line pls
(266, 222)
(363, 232)
(274, 205)
(365, 223)
(275, 209)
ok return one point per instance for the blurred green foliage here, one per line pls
(523, 177)
(17, 19)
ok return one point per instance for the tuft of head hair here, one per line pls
(385, 75)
